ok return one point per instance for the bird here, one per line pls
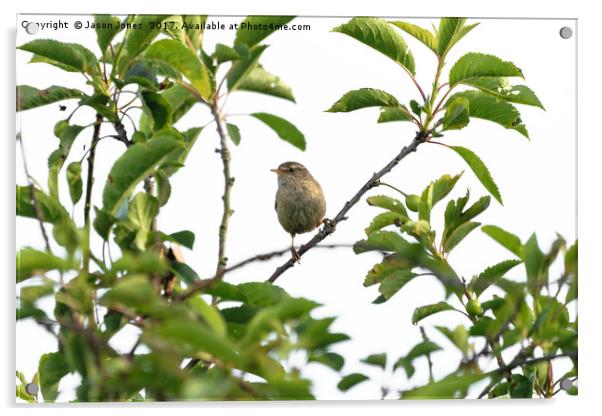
(300, 202)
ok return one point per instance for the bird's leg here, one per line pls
(329, 225)
(294, 254)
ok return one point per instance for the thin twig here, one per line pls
(228, 182)
(89, 185)
(428, 356)
(330, 225)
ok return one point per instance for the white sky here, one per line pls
(536, 179)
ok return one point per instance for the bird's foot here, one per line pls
(296, 257)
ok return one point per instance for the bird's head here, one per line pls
(291, 171)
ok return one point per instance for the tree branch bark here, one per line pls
(330, 225)
(228, 182)
(89, 185)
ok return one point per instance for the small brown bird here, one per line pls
(300, 202)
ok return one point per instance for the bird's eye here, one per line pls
(291, 169)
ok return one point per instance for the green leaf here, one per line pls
(394, 282)
(363, 98)
(505, 238)
(378, 360)
(453, 386)
(141, 213)
(133, 166)
(491, 274)
(51, 369)
(244, 67)
(184, 238)
(521, 387)
(74, 180)
(487, 107)
(457, 114)
(224, 53)
(283, 128)
(423, 311)
(479, 65)
(254, 29)
(233, 133)
(381, 241)
(385, 219)
(30, 97)
(458, 235)
(107, 27)
(458, 337)
(30, 294)
(479, 169)
(185, 273)
(423, 35)
(350, 381)
(329, 359)
(138, 39)
(388, 203)
(159, 109)
(501, 88)
(450, 31)
(261, 81)
(32, 262)
(209, 314)
(388, 114)
(188, 338)
(67, 135)
(533, 258)
(163, 187)
(419, 350)
(184, 60)
(195, 29)
(176, 158)
(70, 57)
(377, 34)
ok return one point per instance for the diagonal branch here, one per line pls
(330, 225)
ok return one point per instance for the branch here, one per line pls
(89, 184)
(330, 225)
(228, 182)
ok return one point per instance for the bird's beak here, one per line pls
(277, 171)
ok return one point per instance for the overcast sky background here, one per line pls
(536, 178)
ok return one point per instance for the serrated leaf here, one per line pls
(133, 166)
(224, 53)
(491, 274)
(377, 34)
(423, 311)
(381, 241)
(533, 258)
(159, 109)
(351, 380)
(261, 81)
(70, 57)
(488, 107)
(452, 386)
(138, 39)
(244, 67)
(378, 360)
(480, 170)
(29, 97)
(388, 114)
(394, 282)
(479, 65)
(383, 220)
(177, 55)
(505, 238)
(501, 88)
(67, 135)
(176, 158)
(421, 349)
(363, 98)
(51, 369)
(457, 114)
(141, 213)
(388, 203)
(254, 29)
(423, 35)
(283, 128)
(449, 32)
(106, 28)
(458, 235)
(233, 133)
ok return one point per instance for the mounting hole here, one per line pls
(32, 28)
(32, 388)
(566, 32)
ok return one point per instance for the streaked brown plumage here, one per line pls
(300, 202)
